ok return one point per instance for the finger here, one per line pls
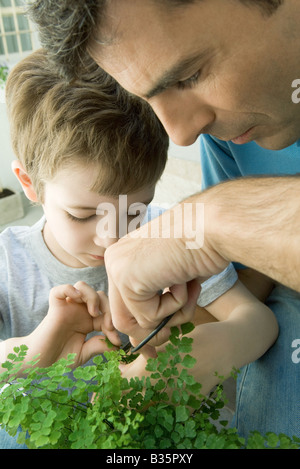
(148, 351)
(103, 301)
(90, 297)
(125, 322)
(104, 321)
(107, 323)
(94, 346)
(159, 338)
(112, 335)
(109, 330)
(187, 312)
(62, 292)
(121, 317)
(151, 337)
(153, 310)
(158, 307)
(172, 300)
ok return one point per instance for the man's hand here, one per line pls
(140, 266)
(253, 221)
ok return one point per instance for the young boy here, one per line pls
(79, 147)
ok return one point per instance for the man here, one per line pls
(225, 71)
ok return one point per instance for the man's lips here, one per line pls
(244, 138)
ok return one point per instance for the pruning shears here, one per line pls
(128, 347)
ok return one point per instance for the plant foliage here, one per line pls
(94, 407)
(3, 74)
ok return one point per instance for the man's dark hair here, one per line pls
(66, 27)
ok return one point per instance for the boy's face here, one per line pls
(81, 224)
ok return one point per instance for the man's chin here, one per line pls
(278, 141)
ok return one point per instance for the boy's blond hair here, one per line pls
(55, 124)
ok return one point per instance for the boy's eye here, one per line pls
(80, 220)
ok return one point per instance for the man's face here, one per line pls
(212, 67)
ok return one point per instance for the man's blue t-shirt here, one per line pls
(221, 161)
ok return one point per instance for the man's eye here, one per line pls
(190, 82)
(80, 220)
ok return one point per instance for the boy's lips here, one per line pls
(97, 257)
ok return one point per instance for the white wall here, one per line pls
(7, 178)
(191, 153)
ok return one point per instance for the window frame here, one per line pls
(12, 12)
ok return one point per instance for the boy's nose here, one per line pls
(106, 228)
(104, 241)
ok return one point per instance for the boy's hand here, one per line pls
(74, 312)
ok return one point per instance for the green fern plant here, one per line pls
(3, 75)
(54, 407)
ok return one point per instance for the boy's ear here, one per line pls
(24, 180)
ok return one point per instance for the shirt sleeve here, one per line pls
(217, 162)
(217, 285)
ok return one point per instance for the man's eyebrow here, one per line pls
(175, 74)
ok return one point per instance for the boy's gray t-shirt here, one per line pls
(28, 271)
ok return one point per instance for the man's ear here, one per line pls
(24, 180)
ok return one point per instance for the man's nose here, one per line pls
(183, 119)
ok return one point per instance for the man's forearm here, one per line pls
(256, 221)
(252, 221)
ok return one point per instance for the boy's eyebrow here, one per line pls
(78, 207)
(175, 74)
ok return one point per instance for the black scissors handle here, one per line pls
(128, 345)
